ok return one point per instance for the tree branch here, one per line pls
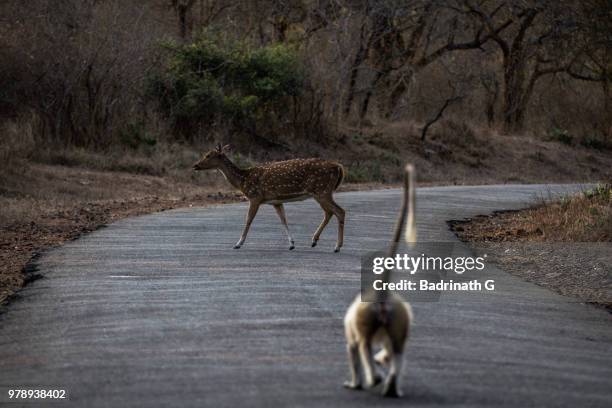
(438, 115)
(477, 42)
(589, 78)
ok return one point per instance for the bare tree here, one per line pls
(403, 38)
(81, 66)
(594, 64)
(540, 42)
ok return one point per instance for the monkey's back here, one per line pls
(368, 321)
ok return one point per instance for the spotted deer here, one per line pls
(280, 182)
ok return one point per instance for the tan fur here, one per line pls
(385, 323)
(281, 182)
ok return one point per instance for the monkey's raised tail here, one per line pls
(406, 212)
(406, 217)
(411, 232)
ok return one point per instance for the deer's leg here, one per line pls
(330, 207)
(280, 210)
(253, 207)
(339, 213)
(327, 217)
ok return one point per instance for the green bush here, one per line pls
(133, 135)
(370, 171)
(601, 192)
(211, 80)
(594, 142)
(561, 136)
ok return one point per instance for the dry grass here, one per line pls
(565, 245)
(585, 217)
(456, 153)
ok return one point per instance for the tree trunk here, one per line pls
(492, 93)
(182, 7)
(365, 103)
(360, 56)
(518, 85)
(396, 94)
(514, 100)
(182, 15)
(607, 108)
(398, 91)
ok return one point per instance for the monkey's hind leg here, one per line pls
(391, 387)
(353, 356)
(372, 378)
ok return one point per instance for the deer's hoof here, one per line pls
(236, 246)
(352, 386)
(314, 244)
(336, 249)
(292, 247)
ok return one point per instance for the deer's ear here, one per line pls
(227, 148)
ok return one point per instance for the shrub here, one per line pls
(601, 192)
(594, 142)
(561, 136)
(134, 135)
(370, 171)
(228, 81)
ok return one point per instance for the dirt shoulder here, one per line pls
(44, 206)
(564, 246)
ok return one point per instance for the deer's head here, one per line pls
(212, 159)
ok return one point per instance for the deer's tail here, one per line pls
(341, 175)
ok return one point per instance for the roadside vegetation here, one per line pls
(564, 245)
(586, 217)
(371, 83)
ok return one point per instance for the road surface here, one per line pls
(159, 311)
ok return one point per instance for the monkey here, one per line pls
(385, 322)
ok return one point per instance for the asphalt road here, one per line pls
(160, 311)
